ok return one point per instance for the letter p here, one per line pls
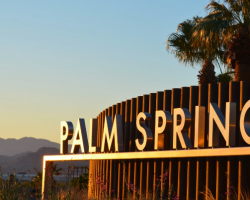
(67, 131)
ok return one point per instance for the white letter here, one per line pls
(182, 129)
(245, 124)
(199, 132)
(226, 127)
(80, 138)
(115, 134)
(67, 130)
(166, 120)
(146, 132)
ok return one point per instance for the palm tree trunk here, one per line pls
(242, 70)
(207, 74)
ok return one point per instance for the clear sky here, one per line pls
(63, 60)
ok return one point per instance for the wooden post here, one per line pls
(47, 178)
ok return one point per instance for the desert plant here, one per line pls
(80, 182)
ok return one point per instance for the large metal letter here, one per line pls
(147, 135)
(67, 130)
(113, 134)
(226, 126)
(199, 132)
(182, 129)
(163, 118)
(245, 123)
(80, 139)
(92, 136)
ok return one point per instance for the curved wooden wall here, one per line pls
(187, 177)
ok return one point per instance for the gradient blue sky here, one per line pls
(63, 60)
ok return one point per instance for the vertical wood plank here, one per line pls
(90, 183)
(145, 108)
(114, 162)
(127, 125)
(154, 179)
(132, 128)
(244, 97)
(163, 162)
(191, 163)
(110, 164)
(104, 161)
(167, 98)
(173, 163)
(107, 177)
(47, 182)
(110, 178)
(98, 162)
(211, 162)
(135, 179)
(141, 179)
(124, 163)
(137, 162)
(193, 101)
(223, 97)
(150, 162)
(239, 179)
(124, 169)
(121, 111)
(234, 96)
(101, 162)
(201, 162)
(107, 162)
(182, 163)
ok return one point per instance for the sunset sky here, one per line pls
(64, 60)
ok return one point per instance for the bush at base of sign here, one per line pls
(14, 187)
(245, 194)
(132, 192)
(231, 193)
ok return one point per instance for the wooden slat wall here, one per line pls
(201, 162)
(187, 177)
(149, 163)
(132, 127)
(191, 162)
(139, 101)
(167, 96)
(173, 163)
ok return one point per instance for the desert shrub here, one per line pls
(80, 182)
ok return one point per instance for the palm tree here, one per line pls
(56, 171)
(193, 49)
(231, 22)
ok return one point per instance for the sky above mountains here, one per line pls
(63, 60)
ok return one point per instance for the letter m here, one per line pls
(112, 138)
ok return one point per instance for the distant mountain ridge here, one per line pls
(11, 147)
(27, 153)
(33, 160)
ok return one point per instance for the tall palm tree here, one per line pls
(193, 49)
(56, 171)
(230, 21)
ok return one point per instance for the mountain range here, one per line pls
(27, 154)
(11, 147)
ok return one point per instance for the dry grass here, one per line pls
(244, 195)
(70, 194)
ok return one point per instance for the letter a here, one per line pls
(80, 139)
